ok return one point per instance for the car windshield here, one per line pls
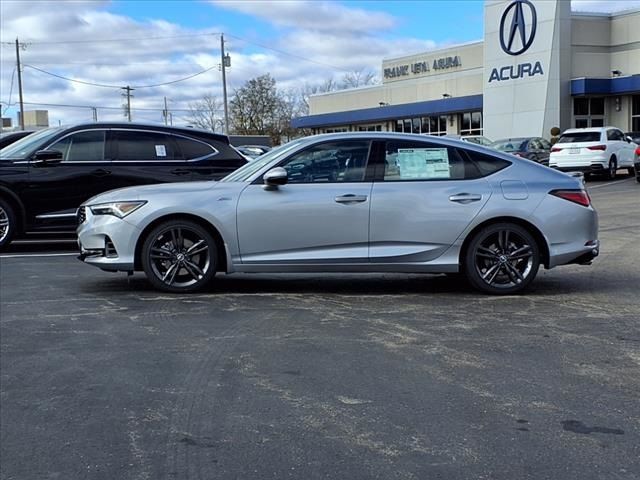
(247, 171)
(577, 137)
(25, 146)
(511, 145)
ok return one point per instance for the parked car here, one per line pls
(636, 163)
(532, 148)
(252, 151)
(634, 136)
(601, 150)
(8, 138)
(46, 176)
(384, 202)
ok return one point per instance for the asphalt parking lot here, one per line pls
(325, 376)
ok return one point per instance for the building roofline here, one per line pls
(436, 50)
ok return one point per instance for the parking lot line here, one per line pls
(617, 182)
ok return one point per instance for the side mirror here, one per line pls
(47, 157)
(276, 176)
(629, 139)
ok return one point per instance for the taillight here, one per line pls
(638, 151)
(598, 147)
(581, 197)
(555, 149)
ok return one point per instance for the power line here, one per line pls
(94, 84)
(282, 52)
(142, 109)
(105, 40)
(13, 74)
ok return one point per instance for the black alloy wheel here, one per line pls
(7, 224)
(503, 258)
(179, 256)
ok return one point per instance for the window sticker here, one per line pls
(161, 151)
(423, 163)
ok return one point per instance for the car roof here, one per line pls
(590, 129)
(149, 125)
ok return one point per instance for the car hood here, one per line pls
(143, 192)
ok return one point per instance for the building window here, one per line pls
(471, 123)
(436, 125)
(588, 112)
(370, 128)
(336, 130)
(635, 113)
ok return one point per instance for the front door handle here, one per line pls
(465, 198)
(101, 172)
(180, 171)
(350, 198)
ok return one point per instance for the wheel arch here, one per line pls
(220, 246)
(19, 210)
(530, 227)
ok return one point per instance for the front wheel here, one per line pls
(179, 256)
(7, 224)
(503, 258)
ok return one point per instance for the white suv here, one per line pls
(601, 150)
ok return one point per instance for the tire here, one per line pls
(631, 171)
(502, 259)
(8, 224)
(179, 256)
(612, 168)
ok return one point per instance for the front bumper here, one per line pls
(107, 242)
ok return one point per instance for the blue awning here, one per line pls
(442, 106)
(605, 86)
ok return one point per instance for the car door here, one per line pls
(142, 157)
(627, 150)
(56, 189)
(424, 196)
(321, 216)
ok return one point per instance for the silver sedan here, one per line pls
(355, 202)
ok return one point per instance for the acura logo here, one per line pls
(516, 35)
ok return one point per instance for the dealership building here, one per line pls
(539, 66)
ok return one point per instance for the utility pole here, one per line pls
(165, 112)
(95, 113)
(127, 94)
(226, 62)
(19, 67)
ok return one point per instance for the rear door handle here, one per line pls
(465, 198)
(101, 172)
(351, 198)
(180, 171)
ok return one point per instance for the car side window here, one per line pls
(85, 146)
(406, 161)
(613, 135)
(145, 146)
(534, 145)
(333, 162)
(192, 149)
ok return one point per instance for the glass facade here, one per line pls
(471, 123)
(436, 125)
(635, 113)
(588, 112)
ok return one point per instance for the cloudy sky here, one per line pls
(145, 43)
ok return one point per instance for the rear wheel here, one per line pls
(612, 169)
(179, 256)
(503, 258)
(632, 171)
(7, 224)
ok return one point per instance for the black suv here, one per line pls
(44, 177)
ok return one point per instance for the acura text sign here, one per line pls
(422, 67)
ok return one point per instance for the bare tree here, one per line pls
(359, 78)
(207, 113)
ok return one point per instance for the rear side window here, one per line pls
(193, 149)
(486, 164)
(407, 161)
(577, 137)
(145, 146)
(82, 146)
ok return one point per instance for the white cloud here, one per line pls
(319, 16)
(603, 6)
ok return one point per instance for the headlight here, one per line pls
(117, 209)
